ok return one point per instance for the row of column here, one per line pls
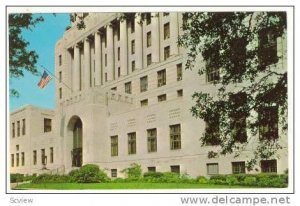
(100, 68)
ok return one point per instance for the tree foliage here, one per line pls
(20, 57)
(241, 47)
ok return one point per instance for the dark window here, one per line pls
(166, 14)
(60, 76)
(114, 173)
(105, 59)
(268, 123)
(162, 98)
(128, 87)
(212, 168)
(105, 77)
(133, 66)
(60, 93)
(267, 50)
(238, 117)
(166, 52)
(105, 40)
(51, 155)
(18, 128)
(175, 137)
(119, 71)
(268, 166)
(47, 125)
(114, 145)
(152, 140)
(144, 102)
(43, 156)
(18, 159)
(212, 71)
(149, 59)
(12, 159)
(132, 143)
(151, 169)
(22, 158)
(17, 147)
(60, 60)
(114, 89)
(179, 72)
(34, 157)
(149, 39)
(23, 126)
(144, 83)
(119, 53)
(161, 78)
(175, 169)
(132, 25)
(148, 18)
(132, 47)
(179, 93)
(13, 130)
(167, 30)
(238, 167)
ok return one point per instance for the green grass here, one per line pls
(128, 185)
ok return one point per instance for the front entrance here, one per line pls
(76, 152)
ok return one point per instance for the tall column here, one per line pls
(138, 42)
(110, 52)
(123, 46)
(174, 32)
(155, 36)
(87, 64)
(76, 69)
(98, 73)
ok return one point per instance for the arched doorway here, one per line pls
(75, 126)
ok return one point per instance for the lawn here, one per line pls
(128, 185)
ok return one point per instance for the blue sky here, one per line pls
(42, 39)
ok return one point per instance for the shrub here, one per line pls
(249, 181)
(232, 180)
(152, 176)
(47, 178)
(88, 174)
(16, 178)
(201, 180)
(134, 172)
(218, 179)
(170, 177)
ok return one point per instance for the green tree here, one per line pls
(20, 57)
(240, 54)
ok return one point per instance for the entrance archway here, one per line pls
(75, 125)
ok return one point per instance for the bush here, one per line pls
(167, 177)
(218, 179)
(16, 178)
(47, 178)
(134, 172)
(249, 181)
(88, 174)
(232, 180)
(201, 180)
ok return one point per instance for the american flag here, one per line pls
(44, 80)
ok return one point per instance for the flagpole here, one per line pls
(56, 78)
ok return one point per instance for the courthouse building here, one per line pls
(122, 97)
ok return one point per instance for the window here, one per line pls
(128, 87)
(238, 167)
(105, 77)
(47, 125)
(105, 40)
(179, 72)
(268, 166)
(144, 83)
(114, 89)
(149, 59)
(152, 140)
(133, 66)
(114, 173)
(149, 39)
(118, 31)
(238, 117)
(18, 128)
(175, 169)
(166, 52)
(119, 71)
(12, 160)
(60, 93)
(162, 98)
(13, 130)
(23, 126)
(148, 18)
(267, 50)
(22, 158)
(132, 143)
(175, 137)
(179, 93)
(132, 25)
(60, 60)
(144, 102)
(43, 156)
(212, 71)
(105, 59)
(268, 123)
(161, 78)
(212, 168)
(132, 47)
(51, 155)
(17, 147)
(151, 169)
(34, 157)
(17, 157)
(119, 53)
(167, 30)
(60, 76)
(114, 145)
(166, 14)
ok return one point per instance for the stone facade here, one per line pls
(124, 97)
